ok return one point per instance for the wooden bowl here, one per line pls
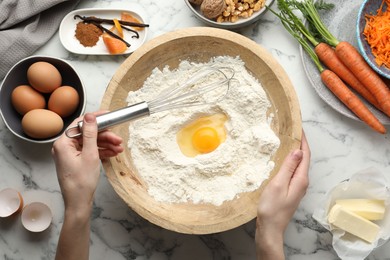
(199, 45)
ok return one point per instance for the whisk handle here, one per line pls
(113, 118)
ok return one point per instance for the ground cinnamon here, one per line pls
(88, 34)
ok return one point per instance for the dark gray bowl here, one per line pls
(369, 7)
(17, 75)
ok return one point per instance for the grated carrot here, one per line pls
(377, 33)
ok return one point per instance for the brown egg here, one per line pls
(25, 98)
(42, 123)
(64, 101)
(44, 77)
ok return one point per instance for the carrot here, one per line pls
(356, 63)
(327, 55)
(349, 56)
(329, 78)
(340, 90)
(376, 32)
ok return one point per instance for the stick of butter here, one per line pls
(366, 208)
(353, 223)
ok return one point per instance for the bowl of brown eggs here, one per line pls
(39, 97)
(201, 169)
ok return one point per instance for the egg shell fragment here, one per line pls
(10, 202)
(36, 217)
(44, 77)
(42, 123)
(64, 101)
(25, 98)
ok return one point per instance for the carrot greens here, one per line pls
(309, 10)
(296, 28)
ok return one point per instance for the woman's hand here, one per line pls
(78, 169)
(278, 202)
(78, 162)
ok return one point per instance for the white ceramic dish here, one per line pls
(341, 21)
(68, 28)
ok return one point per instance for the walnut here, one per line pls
(236, 9)
(212, 8)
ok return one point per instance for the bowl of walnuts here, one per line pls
(228, 14)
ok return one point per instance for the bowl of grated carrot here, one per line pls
(373, 29)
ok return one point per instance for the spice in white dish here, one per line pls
(239, 164)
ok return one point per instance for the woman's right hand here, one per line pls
(279, 200)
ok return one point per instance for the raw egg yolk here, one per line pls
(205, 140)
(203, 135)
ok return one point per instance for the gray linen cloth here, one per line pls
(26, 25)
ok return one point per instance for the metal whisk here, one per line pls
(190, 93)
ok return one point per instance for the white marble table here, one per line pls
(340, 147)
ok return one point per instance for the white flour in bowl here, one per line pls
(240, 164)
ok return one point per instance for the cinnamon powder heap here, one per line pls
(87, 34)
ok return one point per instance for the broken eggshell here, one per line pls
(10, 202)
(36, 217)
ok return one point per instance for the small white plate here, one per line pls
(68, 29)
